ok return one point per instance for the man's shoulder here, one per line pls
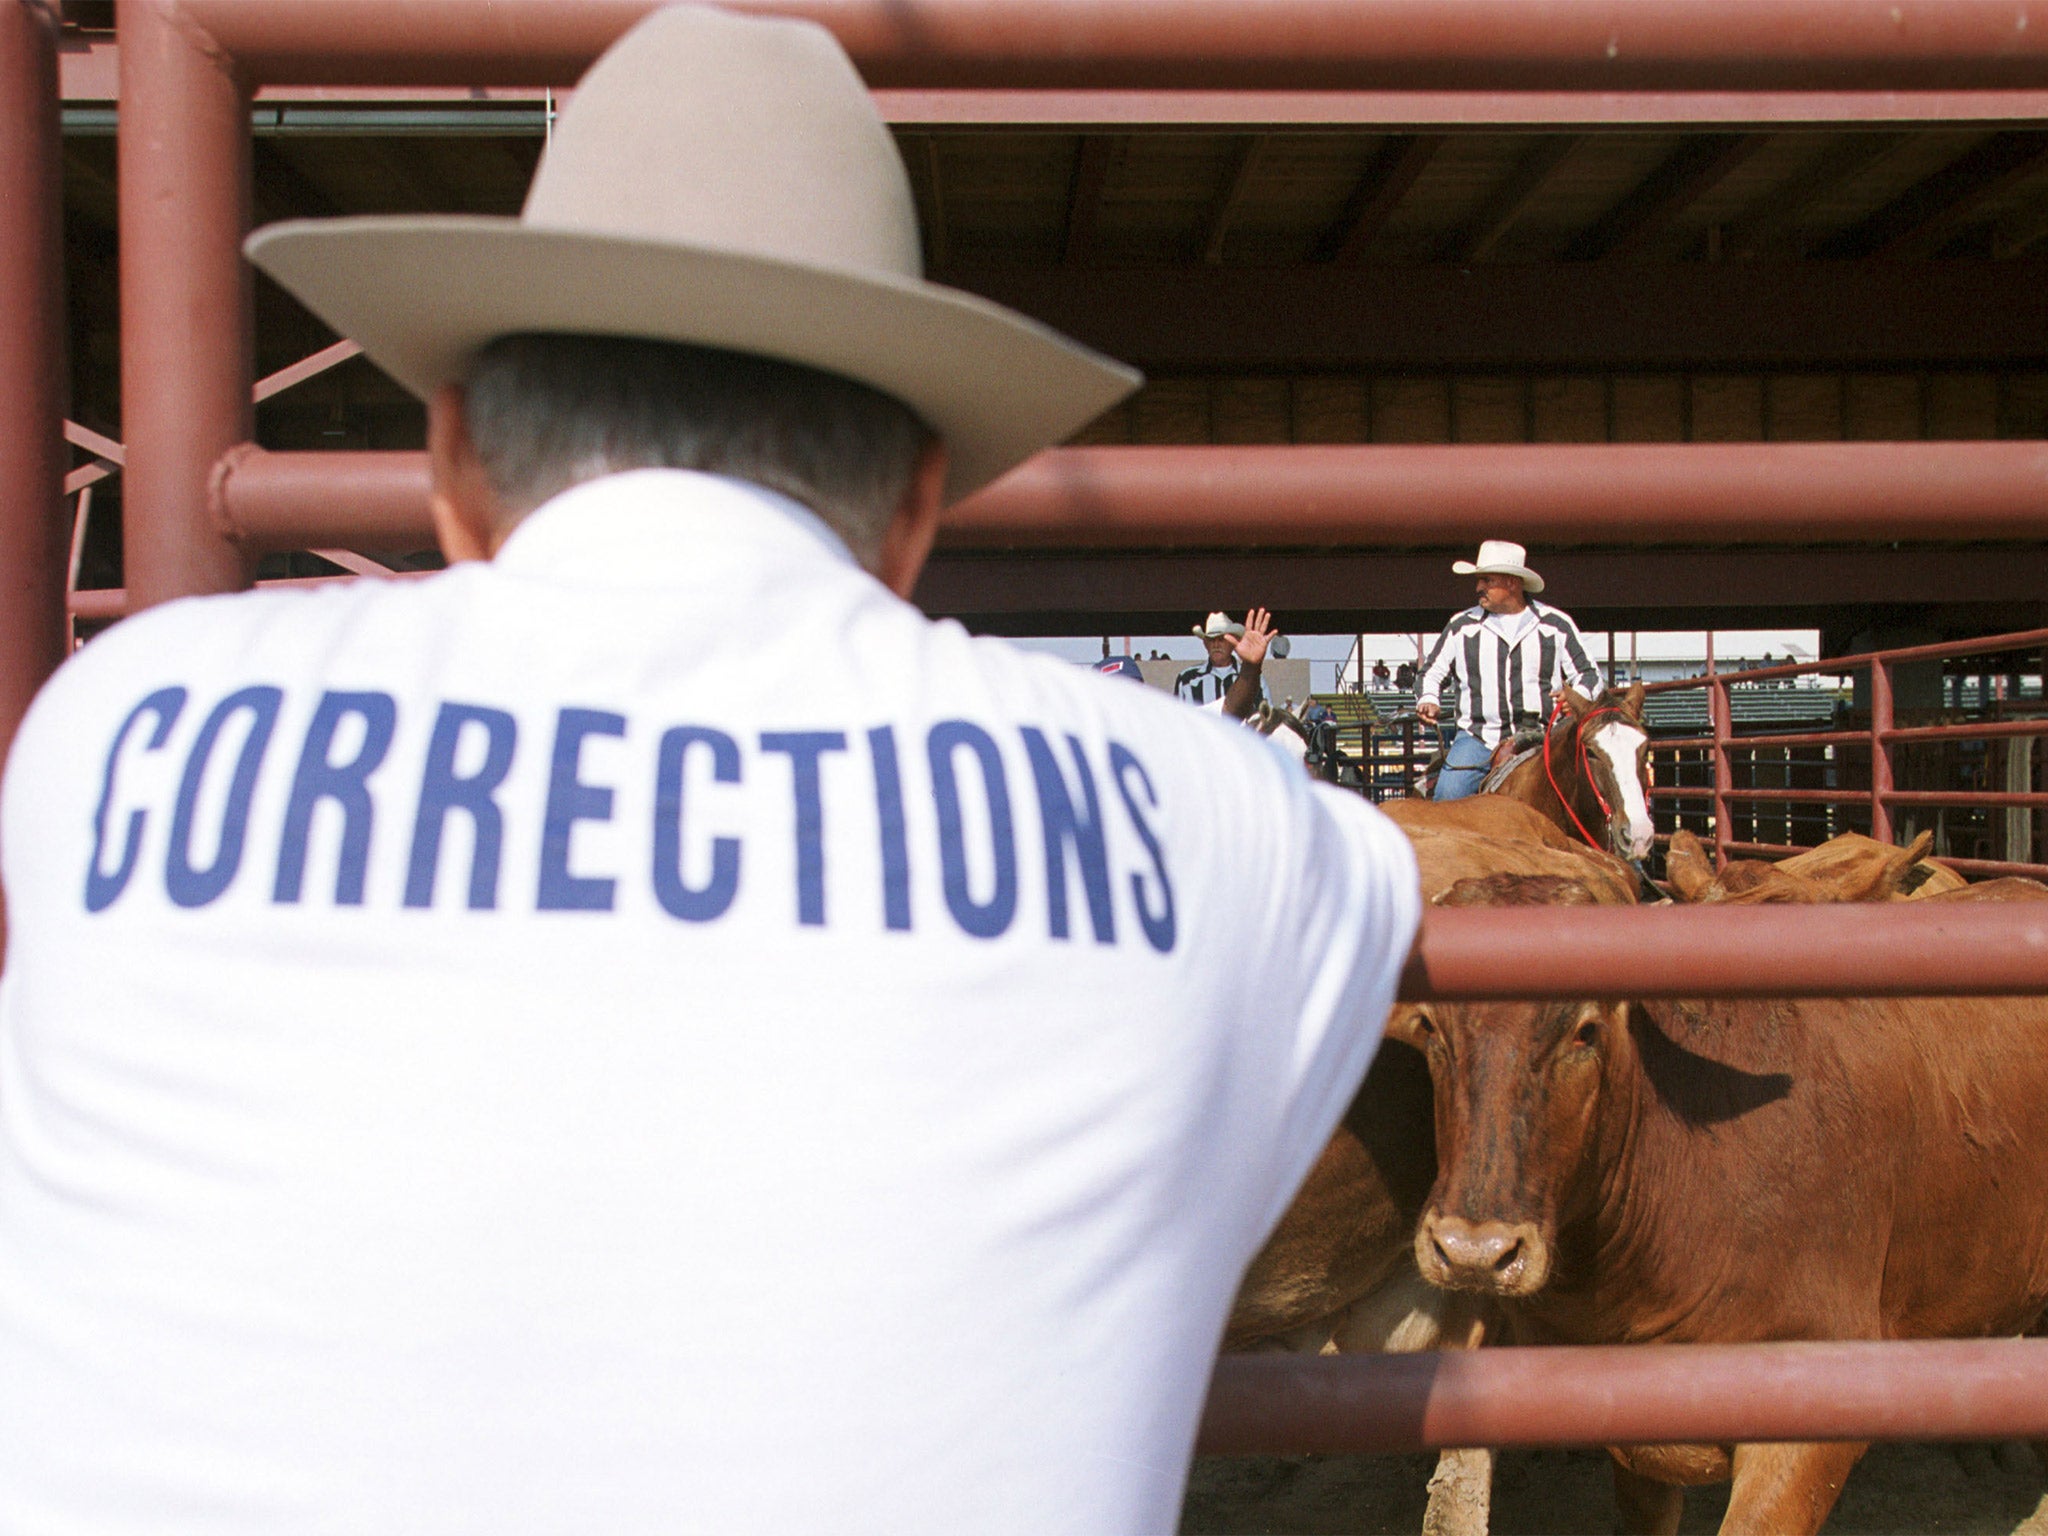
(271, 636)
(1469, 618)
(1547, 613)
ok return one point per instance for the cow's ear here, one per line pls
(1407, 1025)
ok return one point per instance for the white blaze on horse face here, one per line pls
(1623, 747)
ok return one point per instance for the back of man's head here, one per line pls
(546, 412)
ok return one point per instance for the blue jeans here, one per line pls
(1464, 768)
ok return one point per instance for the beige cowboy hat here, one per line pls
(1217, 624)
(721, 180)
(1499, 557)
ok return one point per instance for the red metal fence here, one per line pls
(188, 68)
(1855, 767)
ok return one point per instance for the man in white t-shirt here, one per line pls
(474, 1059)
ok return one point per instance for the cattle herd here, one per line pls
(1604, 1171)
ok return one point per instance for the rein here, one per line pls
(1585, 771)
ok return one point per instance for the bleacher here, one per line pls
(1751, 706)
(1392, 755)
(1666, 714)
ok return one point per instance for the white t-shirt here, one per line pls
(473, 1058)
(1511, 627)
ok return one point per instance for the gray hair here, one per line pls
(549, 411)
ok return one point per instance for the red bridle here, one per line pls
(1585, 771)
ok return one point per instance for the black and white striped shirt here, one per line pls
(1205, 684)
(1507, 667)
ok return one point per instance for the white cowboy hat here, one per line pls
(721, 180)
(1498, 557)
(1218, 624)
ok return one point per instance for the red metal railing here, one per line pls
(1878, 739)
(1974, 1389)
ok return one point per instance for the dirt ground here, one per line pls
(1897, 1490)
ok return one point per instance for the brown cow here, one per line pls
(1846, 868)
(1339, 1271)
(1350, 1227)
(1738, 1171)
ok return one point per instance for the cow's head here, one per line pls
(1518, 1092)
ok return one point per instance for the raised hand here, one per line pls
(1258, 634)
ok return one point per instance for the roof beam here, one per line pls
(285, 191)
(1917, 219)
(1548, 316)
(1687, 174)
(2017, 235)
(1244, 164)
(1763, 220)
(1475, 240)
(1395, 167)
(921, 158)
(1093, 161)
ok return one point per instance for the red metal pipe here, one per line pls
(1965, 732)
(1722, 723)
(277, 502)
(187, 345)
(1881, 724)
(1972, 731)
(1823, 796)
(89, 75)
(1965, 798)
(1901, 949)
(1939, 650)
(100, 603)
(33, 522)
(1737, 743)
(1493, 45)
(1553, 493)
(1988, 868)
(1991, 868)
(1945, 1389)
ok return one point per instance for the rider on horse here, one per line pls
(1511, 657)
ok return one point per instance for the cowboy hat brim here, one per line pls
(1531, 582)
(422, 295)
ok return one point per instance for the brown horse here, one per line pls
(1591, 775)
(1589, 785)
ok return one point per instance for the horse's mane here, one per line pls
(1625, 699)
(1271, 717)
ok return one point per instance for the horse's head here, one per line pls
(1607, 742)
